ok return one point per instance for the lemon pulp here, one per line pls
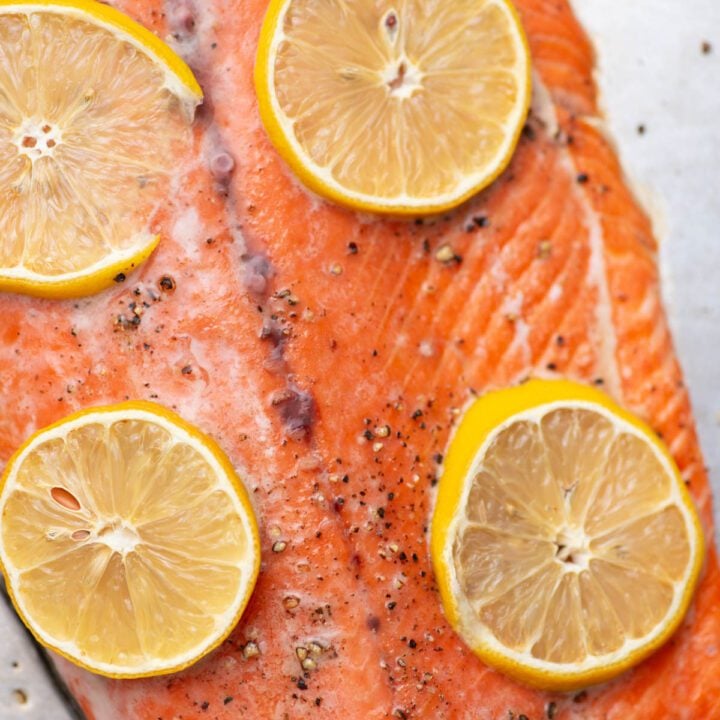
(566, 545)
(400, 108)
(94, 112)
(128, 542)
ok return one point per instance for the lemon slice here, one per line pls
(565, 543)
(400, 108)
(94, 112)
(128, 543)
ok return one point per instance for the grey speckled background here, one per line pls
(652, 72)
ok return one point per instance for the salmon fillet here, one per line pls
(554, 274)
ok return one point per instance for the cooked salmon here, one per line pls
(330, 355)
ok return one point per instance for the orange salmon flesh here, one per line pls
(554, 274)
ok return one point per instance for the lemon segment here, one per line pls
(399, 108)
(128, 543)
(565, 543)
(94, 112)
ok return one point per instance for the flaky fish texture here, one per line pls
(293, 330)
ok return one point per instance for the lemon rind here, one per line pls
(462, 458)
(291, 151)
(183, 432)
(179, 80)
(88, 281)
